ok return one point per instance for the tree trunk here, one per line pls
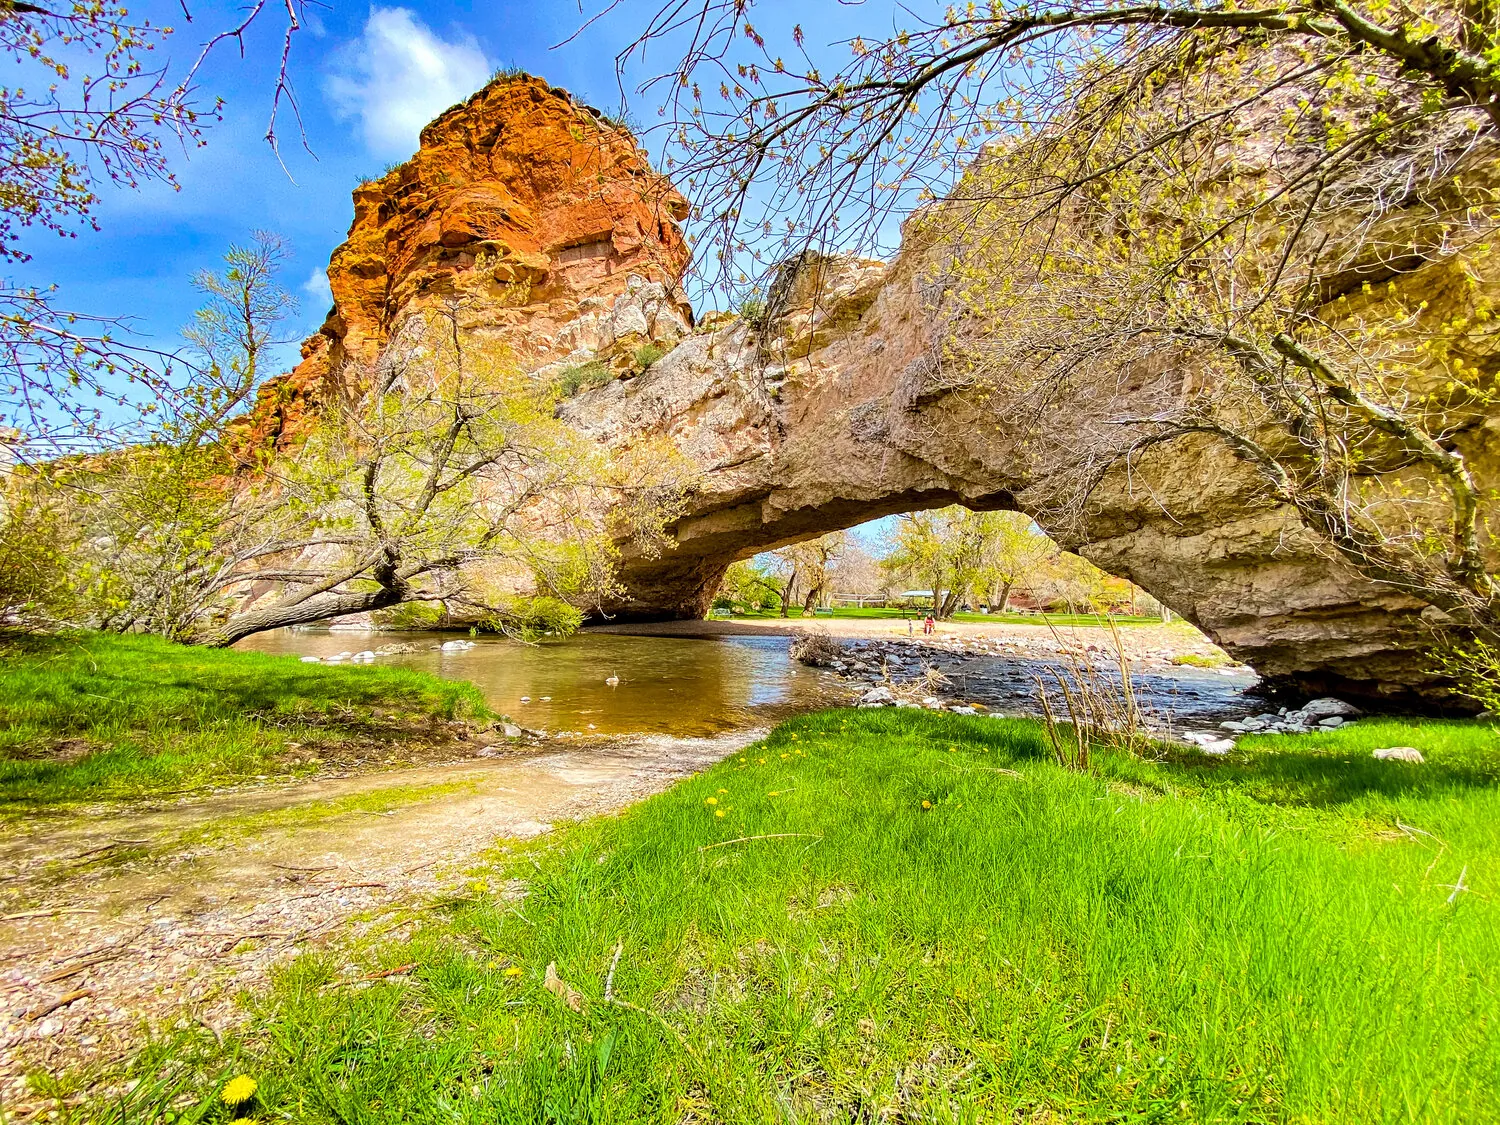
(319, 608)
(1004, 597)
(788, 593)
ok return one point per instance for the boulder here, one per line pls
(1329, 708)
(1398, 754)
(877, 697)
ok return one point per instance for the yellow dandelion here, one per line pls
(927, 804)
(718, 812)
(762, 761)
(238, 1090)
(784, 756)
(774, 793)
(711, 801)
(513, 971)
(723, 790)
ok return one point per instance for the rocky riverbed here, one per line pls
(1207, 707)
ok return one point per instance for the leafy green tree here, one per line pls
(747, 584)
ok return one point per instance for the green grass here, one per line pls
(942, 926)
(877, 613)
(571, 380)
(97, 716)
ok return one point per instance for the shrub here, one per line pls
(1474, 667)
(752, 309)
(647, 354)
(33, 571)
(574, 379)
(529, 619)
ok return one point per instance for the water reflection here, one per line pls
(687, 686)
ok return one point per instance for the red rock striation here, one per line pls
(530, 209)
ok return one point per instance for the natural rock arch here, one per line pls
(831, 414)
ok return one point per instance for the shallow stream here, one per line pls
(690, 687)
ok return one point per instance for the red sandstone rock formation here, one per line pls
(529, 209)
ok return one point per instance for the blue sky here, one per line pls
(367, 76)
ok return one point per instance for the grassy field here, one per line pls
(872, 613)
(97, 716)
(893, 916)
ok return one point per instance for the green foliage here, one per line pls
(882, 915)
(1474, 666)
(91, 716)
(412, 615)
(509, 74)
(530, 619)
(33, 554)
(752, 308)
(646, 355)
(571, 380)
(748, 586)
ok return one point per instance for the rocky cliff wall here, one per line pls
(561, 246)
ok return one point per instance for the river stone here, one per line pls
(1331, 722)
(311, 660)
(877, 697)
(1398, 754)
(511, 730)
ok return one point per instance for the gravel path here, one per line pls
(163, 914)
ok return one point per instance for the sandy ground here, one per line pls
(165, 913)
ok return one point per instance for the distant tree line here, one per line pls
(963, 560)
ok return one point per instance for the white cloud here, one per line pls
(319, 292)
(399, 75)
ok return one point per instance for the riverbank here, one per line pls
(100, 717)
(1151, 645)
(880, 915)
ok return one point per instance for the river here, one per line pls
(698, 686)
(691, 687)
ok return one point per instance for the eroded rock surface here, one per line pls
(562, 245)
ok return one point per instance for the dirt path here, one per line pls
(166, 913)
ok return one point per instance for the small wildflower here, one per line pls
(927, 804)
(718, 812)
(711, 801)
(238, 1090)
(774, 793)
(513, 971)
(785, 756)
(723, 790)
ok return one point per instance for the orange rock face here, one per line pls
(530, 209)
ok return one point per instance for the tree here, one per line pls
(450, 480)
(1012, 554)
(158, 525)
(746, 584)
(87, 107)
(806, 568)
(1223, 224)
(443, 476)
(944, 550)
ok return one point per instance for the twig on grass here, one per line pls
(615, 1001)
(60, 1002)
(767, 836)
(609, 980)
(46, 913)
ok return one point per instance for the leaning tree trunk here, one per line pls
(1004, 597)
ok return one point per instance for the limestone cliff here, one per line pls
(560, 244)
